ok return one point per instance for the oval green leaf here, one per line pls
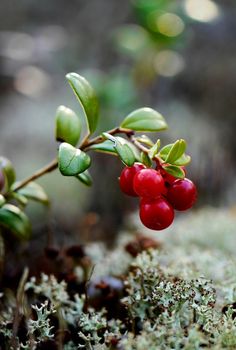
(176, 151)
(145, 140)
(165, 151)
(68, 126)
(87, 98)
(72, 161)
(175, 171)
(34, 192)
(145, 159)
(183, 160)
(154, 149)
(22, 200)
(144, 119)
(85, 178)
(123, 150)
(108, 147)
(125, 154)
(9, 173)
(104, 147)
(16, 221)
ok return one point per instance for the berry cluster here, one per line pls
(160, 193)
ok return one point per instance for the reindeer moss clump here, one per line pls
(167, 295)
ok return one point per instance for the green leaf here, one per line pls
(146, 160)
(145, 140)
(87, 98)
(105, 147)
(108, 147)
(22, 200)
(165, 151)
(16, 221)
(35, 192)
(2, 200)
(8, 171)
(85, 178)
(154, 149)
(72, 161)
(68, 126)
(123, 150)
(136, 152)
(125, 154)
(183, 160)
(176, 151)
(144, 119)
(174, 170)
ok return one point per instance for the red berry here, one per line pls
(127, 177)
(149, 183)
(156, 214)
(2, 180)
(182, 194)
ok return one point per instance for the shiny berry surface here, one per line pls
(182, 194)
(156, 214)
(127, 177)
(2, 181)
(149, 183)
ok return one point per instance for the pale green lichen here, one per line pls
(182, 296)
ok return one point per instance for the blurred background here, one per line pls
(175, 56)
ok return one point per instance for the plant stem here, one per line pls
(46, 169)
(98, 139)
(19, 308)
(139, 145)
(86, 143)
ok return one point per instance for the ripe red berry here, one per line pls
(2, 180)
(149, 183)
(156, 214)
(127, 177)
(182, 194)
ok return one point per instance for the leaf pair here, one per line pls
(175, 158)
(174, 153)
(68, 123)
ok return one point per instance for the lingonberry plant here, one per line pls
(161, 189)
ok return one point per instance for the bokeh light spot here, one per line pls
(202, 10)
(168, 63)
(170, 24)
(16, 45)
(31, 81)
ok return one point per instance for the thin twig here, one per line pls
(19, 307)
(100, 138)
(139, 145)
(86, 143)
(46, 169)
